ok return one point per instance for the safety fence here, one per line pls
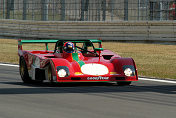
(122, 30)
(88, 10)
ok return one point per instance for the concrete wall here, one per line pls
(140, 31)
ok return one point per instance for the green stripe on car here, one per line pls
(76, 58)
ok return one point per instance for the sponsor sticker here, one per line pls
(98, 78)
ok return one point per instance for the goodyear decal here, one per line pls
(98, 78)
(77, 59)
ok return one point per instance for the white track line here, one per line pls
(158, 80)
(11, 65)
(140, 78)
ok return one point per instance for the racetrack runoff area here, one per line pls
(152, 60)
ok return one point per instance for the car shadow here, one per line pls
(47, 88)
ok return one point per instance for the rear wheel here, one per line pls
(24, 71)
(123, 83)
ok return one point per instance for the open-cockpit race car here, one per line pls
(74, 61)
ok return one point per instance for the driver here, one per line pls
(69, 47)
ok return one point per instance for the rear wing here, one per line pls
(21, 42)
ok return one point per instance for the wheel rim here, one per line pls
(49, 75)
(22, 69)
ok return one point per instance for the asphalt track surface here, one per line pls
(143, 99)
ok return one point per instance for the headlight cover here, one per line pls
(129, 70)
(63, 71)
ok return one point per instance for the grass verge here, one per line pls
(154, 60)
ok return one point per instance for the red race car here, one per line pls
(74, 61)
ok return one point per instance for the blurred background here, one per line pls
(88, 10)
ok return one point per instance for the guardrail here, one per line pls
(121, 30)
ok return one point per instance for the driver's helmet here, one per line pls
(69, 47)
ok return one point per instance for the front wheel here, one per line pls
(123, 83)
(24, 71)
(50, 76)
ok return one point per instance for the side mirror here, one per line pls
(98, 49)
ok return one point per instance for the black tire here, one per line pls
(123, 83)
(38, 81)
(24, 71)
